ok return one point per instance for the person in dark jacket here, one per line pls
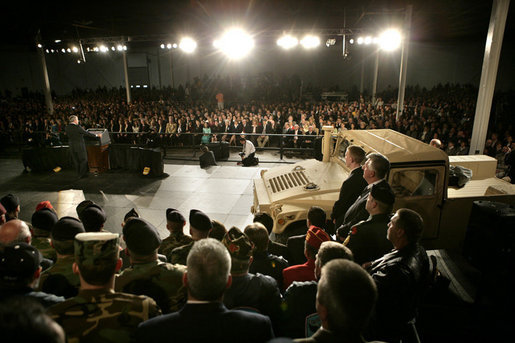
(274, 248)
(207, 158)
(78, 151)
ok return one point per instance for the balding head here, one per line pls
(14, 231)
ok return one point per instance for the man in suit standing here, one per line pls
(352, 186)
(204, 318)
(75, 135)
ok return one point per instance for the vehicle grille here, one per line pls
(286, 181)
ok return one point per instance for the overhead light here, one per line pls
(368, 40)
(47, 51)
(169, 46)
(78, 61)
(75, 49)
(390, 40)
(310, 42)
(330, 42)
(235, 43)
(63, 50)
(69, 50)
(174, 45)
(287, 42)
(360, 40)
(162, 46)
(125, 48)
(187, 45)
(351, 40)
(87, 49)
(103, 48)
(52, 50)
(119, 47)
(113, 48)
(39, 45)
(57, 41)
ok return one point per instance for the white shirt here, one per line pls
(248, 148)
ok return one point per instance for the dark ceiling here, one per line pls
(433, 20)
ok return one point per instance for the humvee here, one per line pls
(419, 176)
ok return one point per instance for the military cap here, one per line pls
(173, 215)
(383, 193)
(94, 248)
(131, 214)
(18, 262)
(200, 221)
(66, 228)
(10, 202)
(44, 219)
(239, 245)
(316, 236)
(81, 206)
(141, 236)
(93, 217)
(44, 204)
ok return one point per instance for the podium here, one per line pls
(98, 150)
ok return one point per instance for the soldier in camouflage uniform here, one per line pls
(97, 313)
(60, 278)
(175, 222)
(200, 225)
(42, 222)
(147, 275)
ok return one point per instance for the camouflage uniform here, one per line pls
(175, 240)
(103, 315)
(180, 254)
(41, 241)
(158, 280)
(60, 279)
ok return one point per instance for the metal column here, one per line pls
(126, 72)
(404, 61)
(488, 75)
(47, 91)
(362, 83)
(374, 85)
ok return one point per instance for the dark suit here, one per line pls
(299, 299)
(278, 249)
(367, 239)
(349, 192)
(208, 322)
(295, 245)
(78, 151)
(356, 213)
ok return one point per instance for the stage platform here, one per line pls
(224, 192)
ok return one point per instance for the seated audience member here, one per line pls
(175, 223)
(19, 273)
(435, 142)
(207, 158)
(15, 231)
(306, 272)
(352, 186)
(60, 278)
(295, 244)
(126, 261)
(367, 239)
(42, 222)
(375, 170)
(2, 214)
(399, 275)
(255, 291)
(24, 320)
(93, 218)
(345, 298)
(300, 297)
(262, 261)
(218, 231)
(11, 203)
(97, 313)
(274, 248)
(200, 225)
(204, 318)
(81, 206)
(147, 275)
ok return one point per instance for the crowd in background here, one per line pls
(190, 115)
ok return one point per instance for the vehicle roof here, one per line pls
(394, 145)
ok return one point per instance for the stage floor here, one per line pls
(223, 192)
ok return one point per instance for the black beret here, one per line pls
(66, 228)
(383, 193)
(10, 202)
(93, 217)
(131, 214)
(81, 206)
(141, 236)
(44, 219)
(172, 215)
(200, 221)
(18, 262)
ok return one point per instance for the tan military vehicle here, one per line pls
(419, 176)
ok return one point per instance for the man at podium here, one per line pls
(76, 135)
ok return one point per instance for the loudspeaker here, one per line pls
(220, 149)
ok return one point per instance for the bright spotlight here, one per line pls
(40, 46)
(120, 48)
(390, 40)
(330, 42)
(52, 50)
(103, 48)
(287, 42)
(47, 51)
(69, 50)
(162, 46)
(368, 40)
(235, 43)
(168, 46)
(351, 40)
(113, 48)
(310, 42)
(63, 50)
(75, 49)
(187, 45)
(360, 40)
(125, 48)
(57, 41)
(174, 45)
